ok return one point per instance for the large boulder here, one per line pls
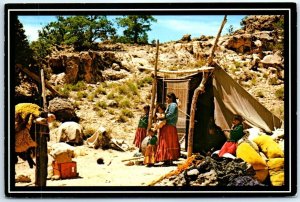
(260, 22)
(63, 110)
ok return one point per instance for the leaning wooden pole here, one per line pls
(200, 89)
(41, 139)
(36, 78)
(154, 88)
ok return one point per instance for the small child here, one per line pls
(150, 151)
(160, 117)
(141, 131)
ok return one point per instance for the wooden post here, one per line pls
(199, 90)
(36, 78)
(210, 58)
(154, 86)
(41, 139)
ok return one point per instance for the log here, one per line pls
(154, 86)
(201, 89)
(188, 71)
(36, 78)
(133, 158)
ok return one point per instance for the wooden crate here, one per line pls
(65, 170)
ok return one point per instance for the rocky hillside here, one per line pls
(107, 86)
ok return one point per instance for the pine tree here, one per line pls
(136, 27)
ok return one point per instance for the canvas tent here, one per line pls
(223, 98)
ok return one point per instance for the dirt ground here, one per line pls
(113, 172)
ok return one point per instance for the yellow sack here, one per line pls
(276, 164)
(269, 147)
(27, 108)
(277, 177)
(249, 155)
(261, 175)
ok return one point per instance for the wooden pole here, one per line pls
(199, 90)
(154, 88)
(41, 139)
(36, 78)
(210, 58)
(187, 71)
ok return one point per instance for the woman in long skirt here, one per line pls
(168, 148)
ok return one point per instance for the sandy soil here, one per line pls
(113, 172)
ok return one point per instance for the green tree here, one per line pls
(230, 30)
(23, 53)
(80, 31)
(136, 27)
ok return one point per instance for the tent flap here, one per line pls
(231, 98)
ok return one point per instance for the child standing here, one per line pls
(150, 151)
(141, 131)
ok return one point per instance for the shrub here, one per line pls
(91, 97)
(125, 103)
(260, 94)
(145, 81)
(81, 94)
(111, 111)
(65, 92)
(77, 104)
(133, 88)
(80, 85)
(111, 96)
(127, 113)
(101, 90)
(90, 88)
(121, 118)
(122, 89)
(101, 104)
(280, 93)
(100, 113)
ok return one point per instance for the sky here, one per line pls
(167, 28)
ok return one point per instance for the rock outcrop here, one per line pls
(63, 110)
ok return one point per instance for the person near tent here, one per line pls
(160, 117)
(150, 151)
(234, 135)
(141, 131)
(168, 148)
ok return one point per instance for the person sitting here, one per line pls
(234, 135)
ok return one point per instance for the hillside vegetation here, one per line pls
(107, 86)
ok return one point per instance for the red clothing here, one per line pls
(168, 144)
(228, 147)
(140, 134)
